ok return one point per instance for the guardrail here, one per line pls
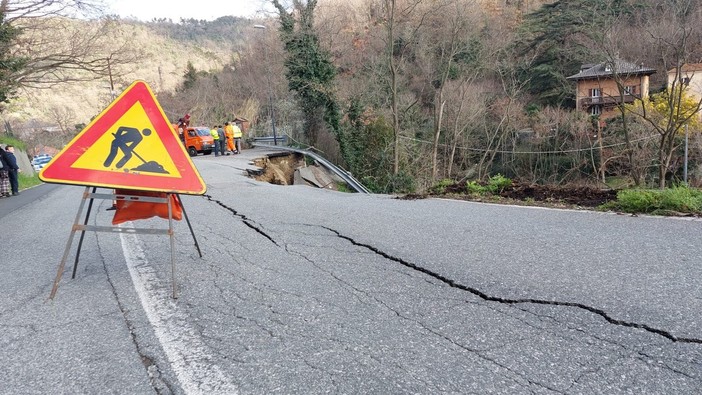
(343, 174)
(269, 139)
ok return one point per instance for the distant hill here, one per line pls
(164, 49)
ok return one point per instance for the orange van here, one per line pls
(196, 139)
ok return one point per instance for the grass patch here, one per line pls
(669, 201)
(26, 181)
(18, 144)
(343, 187)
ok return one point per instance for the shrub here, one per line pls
(401, 183)
(682, 199)
(494, 185)
(440, 187)
(655, 201)
(498, 183)
(475, 188)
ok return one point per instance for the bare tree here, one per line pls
(403, 19)
(452, 28)
(59, 51)
(25, 9)
(56, 49)
(63, 117)
(391, 10)
(468, 107)
(675, 37)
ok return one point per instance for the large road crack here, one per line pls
(248, 222)
(490, 298)
(478, 353)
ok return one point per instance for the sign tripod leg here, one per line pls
(187, 220)
(82, 235)
(75, 227)
(172, 238)
(169, 200)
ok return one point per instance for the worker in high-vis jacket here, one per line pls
(229, 132)
(215, 137)
(237, 138)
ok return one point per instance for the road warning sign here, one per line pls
(130, 145)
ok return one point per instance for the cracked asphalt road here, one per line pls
(310, 291)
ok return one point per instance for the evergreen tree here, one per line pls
(558, 38)
(310, 72)
(9, 65)
(190, 76)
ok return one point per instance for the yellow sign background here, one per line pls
(151, 148)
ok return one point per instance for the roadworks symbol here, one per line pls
(129, 146)
(126, 140)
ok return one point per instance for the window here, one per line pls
(630, 90)
(203, 131)
(595, 110)
(595, 95)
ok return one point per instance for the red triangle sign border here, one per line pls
(59, 170)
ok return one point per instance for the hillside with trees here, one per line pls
(402, 93)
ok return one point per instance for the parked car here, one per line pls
(40, 161)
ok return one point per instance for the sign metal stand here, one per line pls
(88, 195)
(101, 156)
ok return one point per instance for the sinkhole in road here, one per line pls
(295, 169)
(278, 168)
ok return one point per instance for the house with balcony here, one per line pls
(597, 87)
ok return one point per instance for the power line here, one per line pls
(533, 152)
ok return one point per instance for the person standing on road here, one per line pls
(229, 132)
(4, 175)
(13, 169)
(222, 139)
(215, 136)
(237, 138)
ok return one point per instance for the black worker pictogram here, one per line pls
(126, 139)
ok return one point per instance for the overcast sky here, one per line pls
(145, 10)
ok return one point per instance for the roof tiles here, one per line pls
(606, 69)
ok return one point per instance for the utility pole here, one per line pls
(685, 160)
(684, 82)
(599, 143)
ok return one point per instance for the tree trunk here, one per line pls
(665, 157)
(452, 157)
(602, 159)
(437, 134)
(393, 87)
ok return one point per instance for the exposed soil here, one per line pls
(575, 195)
(279, 169)
(531, 194)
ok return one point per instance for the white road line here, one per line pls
(188, 355)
